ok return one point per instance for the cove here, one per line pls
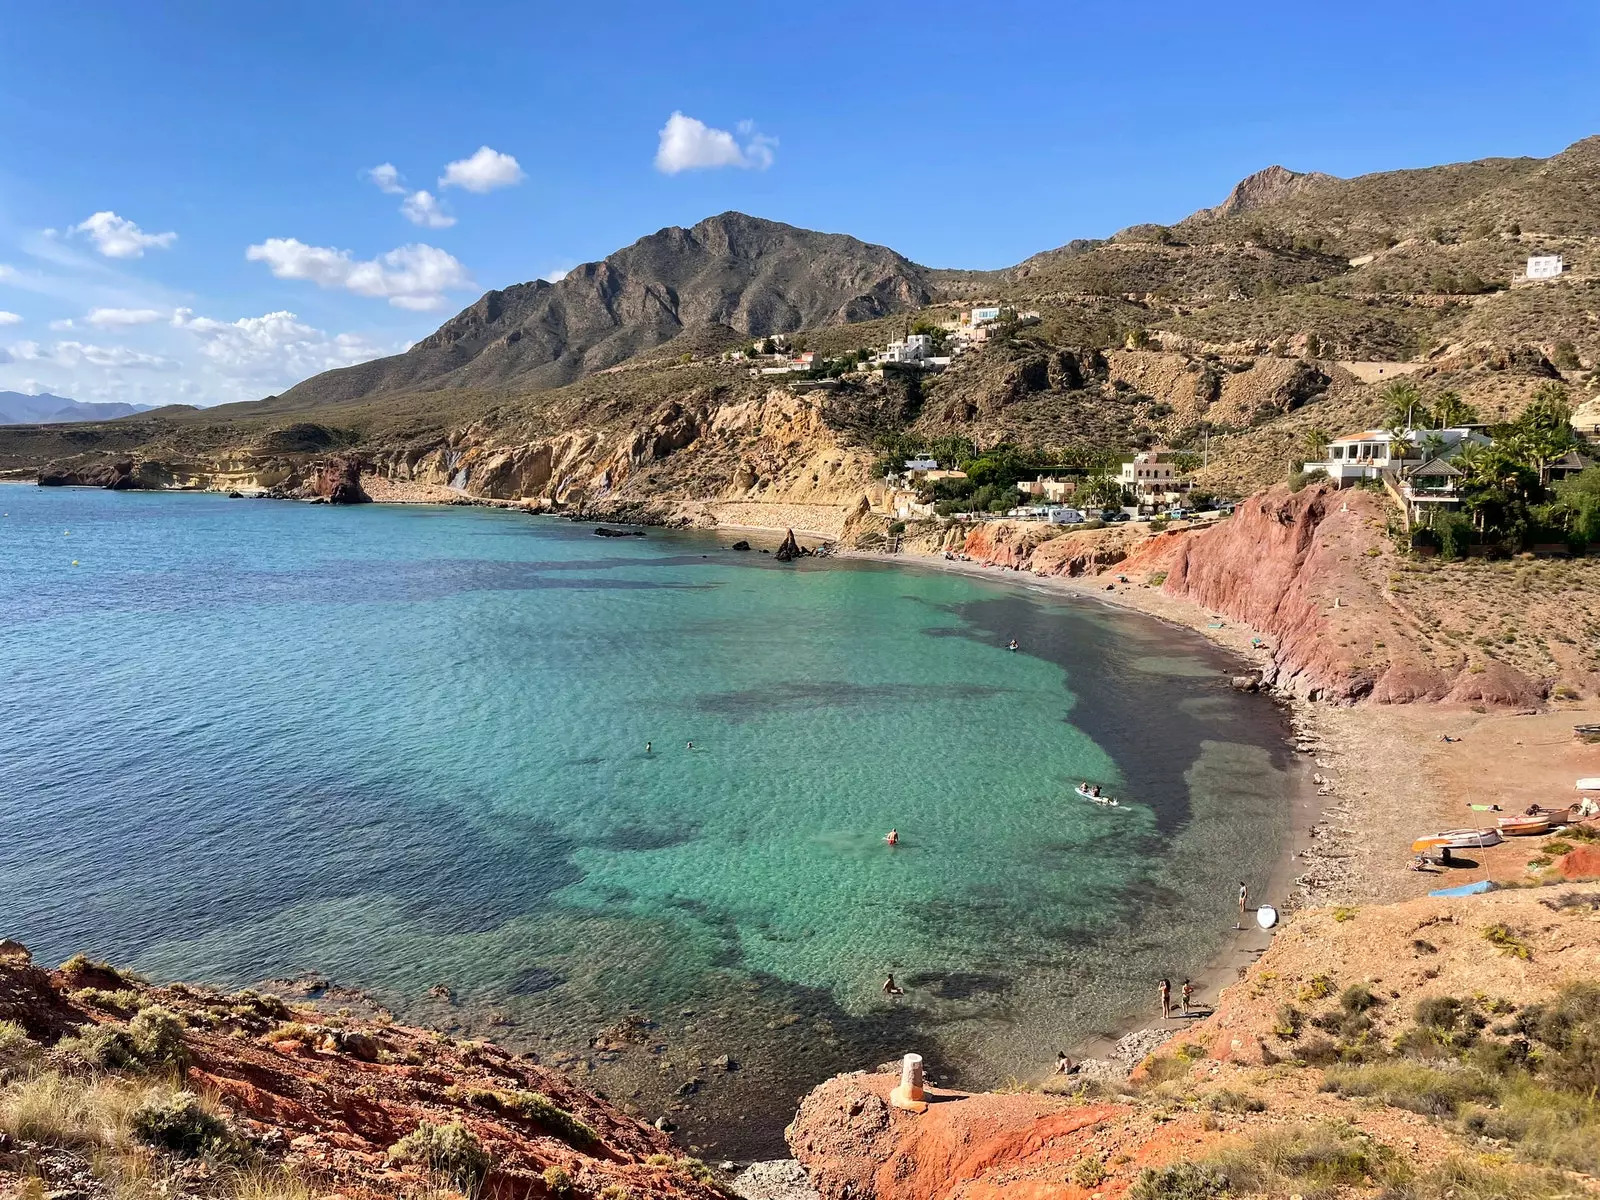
(405, 746)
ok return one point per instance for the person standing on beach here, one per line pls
(1166, 999)
(1244, 900)
(1186, 995)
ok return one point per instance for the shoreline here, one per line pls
(1239, 947)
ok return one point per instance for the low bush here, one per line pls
(121, 1002)
(1226, 1100)
(157, 1036)
(557, 1180)
(1302, 1158)
(180, 1122)
(1412, 1086)
(106, 1047)
(18, 1052)
(1089, 1173)
(1508, 941)
(536, 1106)
(449, 1151)
(1180, 1181)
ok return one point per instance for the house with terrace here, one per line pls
(1413, 464)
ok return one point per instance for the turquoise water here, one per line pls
(406, 746)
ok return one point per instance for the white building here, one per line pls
(981, 315)
(1368, 453)
(1153, 479)
(1052, 491)
(917, 348)
(921, 464)
(1544, 266)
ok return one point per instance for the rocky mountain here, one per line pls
(1265, 187)
(752, 276)
(19, 408)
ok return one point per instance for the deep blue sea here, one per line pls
(405, 746)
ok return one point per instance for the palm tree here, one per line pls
(1315, 444)
(1404, 404)
(1450, 411)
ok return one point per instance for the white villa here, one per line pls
(1051, 491)
(1416, 465)
(1153, 478)
(1544, 266)
(1368, 453)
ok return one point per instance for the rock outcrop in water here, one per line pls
(338, 481)
(116, 476)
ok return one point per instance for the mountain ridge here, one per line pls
(756, 276)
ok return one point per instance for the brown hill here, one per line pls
(752, 276)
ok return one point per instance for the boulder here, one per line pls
(338, 481)
(741, 544)
(790, 550)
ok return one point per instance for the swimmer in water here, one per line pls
(891, 988)
(893, 837)
(690, 746)
(647, 747)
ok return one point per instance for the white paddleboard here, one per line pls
(1589, 785)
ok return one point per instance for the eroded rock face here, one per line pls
(115, 476)
(1289, 564)
(339, 481)
(852, 1143)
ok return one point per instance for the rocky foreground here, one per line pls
(110, 1086)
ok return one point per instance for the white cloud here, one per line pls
(277, 345)
(121, 318)
(422, 208)
(6, 271)
(387, 177)
(118, 237)
(73, 354)
(483, 172)
(687, 144)
(556, 275)
(10, 318)
(64, 324)
(412, 277)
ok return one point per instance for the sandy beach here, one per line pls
(1377, 777)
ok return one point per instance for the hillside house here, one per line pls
(1544, 266)
(921, 464)
(982, 316)
(1153, 478)
(1051, 491)
(1370, 453)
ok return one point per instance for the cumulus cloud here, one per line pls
(413, 277)
(387, 177)
(74, 354)
(118, 237)
(121, 318)
(483, 172)
(275, 345)
(10, 318)
(687, 144)
(422, 208)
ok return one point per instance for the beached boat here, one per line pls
(1528, 825)
(1458, 839)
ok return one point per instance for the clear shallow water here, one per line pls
(403, 746)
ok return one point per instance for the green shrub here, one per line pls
(157, 1036)
(1315, 988)
(557, 1180)
(897, 527)
(107, 1047)
(536, 1106)
(450, 1151)
(1157, 524)
(1180, 1181)
(180, 1122)
(122, 1001)
(1089, 1173)
(1288, 1022)
(1300, 1158)
(18, 1052)
(1507, 940)
(1416, 1088)
(1226, 1100)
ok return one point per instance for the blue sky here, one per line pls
(960, 134)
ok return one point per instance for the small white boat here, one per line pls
(1458, 839)
(1102, 801)
(1589, 785)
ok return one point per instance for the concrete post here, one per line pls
(910, 1095)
